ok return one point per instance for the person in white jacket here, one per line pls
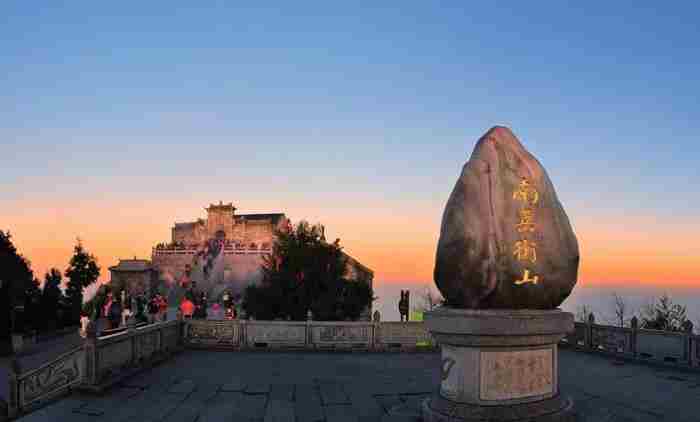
(84, 321)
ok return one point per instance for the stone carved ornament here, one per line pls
(505, 240)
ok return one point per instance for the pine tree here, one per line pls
(82, 271)
(16, 277)
(664, 315)
(50, 297)
(304, 273)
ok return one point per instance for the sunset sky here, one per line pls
(118, 119)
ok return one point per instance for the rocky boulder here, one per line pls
(505, 240)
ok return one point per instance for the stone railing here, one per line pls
(95, 365)
(309, 335)
(632, 342)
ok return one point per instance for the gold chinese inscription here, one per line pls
(526, 193)
(525, 250)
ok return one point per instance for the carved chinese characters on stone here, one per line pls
(525, 249)
(516, 374)
(505, 240)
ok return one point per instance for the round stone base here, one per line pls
(555, 409)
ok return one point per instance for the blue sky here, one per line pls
(371, 105)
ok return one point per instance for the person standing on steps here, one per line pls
(152, 309)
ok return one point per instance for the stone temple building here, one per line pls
(223, 251)
(135, 275)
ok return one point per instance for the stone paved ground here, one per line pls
(207, 386)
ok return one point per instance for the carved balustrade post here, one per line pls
(14, 377)
(308, 337)
(91, 354)
(589, 330)
(688, 341)
(634, 324)
(131, 333)
(243, 333)
(376, 329)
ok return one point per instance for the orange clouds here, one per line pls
(397, 241)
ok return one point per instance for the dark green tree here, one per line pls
(304, 272)
(16, 277)
(50, 297)
(82, 271)
(664, 315)
(32, 306)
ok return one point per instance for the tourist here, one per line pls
(162, 308)
(203, 300)
(141, 308)
(126, 313)
(84, 321)
(106, 306)
(227, 299)
(115, 314)
(152, 309)
(187, 308)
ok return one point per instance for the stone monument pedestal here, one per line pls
(498, 365)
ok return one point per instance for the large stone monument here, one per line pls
(506, 259)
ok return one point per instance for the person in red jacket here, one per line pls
(187, 308)
(162, 307)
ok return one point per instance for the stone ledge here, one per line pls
(558, 408)
(627, 357)
(499, 322)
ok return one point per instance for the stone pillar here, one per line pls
(13, 400)
(688, 329)
(634, 324)
(498, 365)
(589, 331)
(243, 335)
(376, 329)
(309, 340)
(91, 354)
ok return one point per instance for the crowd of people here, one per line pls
(116, 310)
(195, 305)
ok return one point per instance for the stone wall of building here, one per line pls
(135, 283)
(233, 270)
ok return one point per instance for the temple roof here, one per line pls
(275, 217)
(132, 265)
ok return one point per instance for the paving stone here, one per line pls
(220, 408)
(90, 411)
(365, 406)
(400, 418)
(602, 392)
(194, 404)
(414, 401)
(182, 387)
(279, 411)
(160, 406)
(251, 408)
(340, 413)
(307, 404)
(283, 392)
(389, 402)
(257, 387)
(333, 394)
(61, 410)
(234, 385)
